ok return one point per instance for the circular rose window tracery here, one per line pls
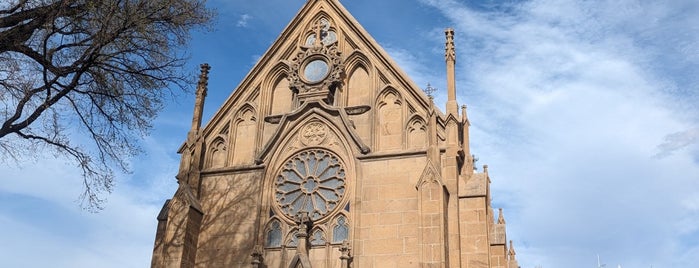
(312, 181)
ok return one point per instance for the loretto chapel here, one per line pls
(328, 155)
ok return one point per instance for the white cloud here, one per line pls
(243, 20)
(572, 105)
(678, 140)
(42, 215)
(570, 101)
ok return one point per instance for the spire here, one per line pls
(467, 168)
(512, 260)
(202, 86)
(450, 57)
(501, 218)
(511, 252)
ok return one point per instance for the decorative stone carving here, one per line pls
(313, 133)
(317, 68)
(312, 182)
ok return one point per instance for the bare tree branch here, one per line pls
(105, 65)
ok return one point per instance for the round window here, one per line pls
(315, 70)
(312, 181)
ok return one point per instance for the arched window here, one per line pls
(340, 230)
(274, 235)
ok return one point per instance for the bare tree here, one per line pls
(101, 68)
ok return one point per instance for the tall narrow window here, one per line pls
(274, 235)
(341, 230)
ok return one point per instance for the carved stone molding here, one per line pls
(313, 133)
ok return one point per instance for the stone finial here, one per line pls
(345, 257)
(256, 257)
(501, 218)
(203, 79)
(511, 252)
(450, 52)
(199, 100)
(485, 169)
(450, 56)
(304, 224)
(464, 115)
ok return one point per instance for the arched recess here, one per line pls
(217, 153)
(390, 119)
(277, 83)
(291, 240)
(317, 237)
(282, 96)
(244, 133)
(417, 132)
(359, 82)
(359, 91)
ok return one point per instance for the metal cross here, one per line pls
(429, 90)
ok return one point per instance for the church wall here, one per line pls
(174, 235)
(387, 233)
(498, 258)
(231, 205)
(473, 225)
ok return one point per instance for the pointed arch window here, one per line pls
(274, 235)
(340, 230)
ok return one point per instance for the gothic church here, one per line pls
(328, 155)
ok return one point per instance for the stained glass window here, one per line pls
(341, 230)
(274, 235)
(312, 181)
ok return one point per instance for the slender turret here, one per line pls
(202, 87)
(512, 260)
(450, 57)
(501, 218)
(467, 167)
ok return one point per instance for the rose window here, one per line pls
(312, 181)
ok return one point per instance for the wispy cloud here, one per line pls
(41, 212)
(574, 100)
(243, 20)
(677, 141)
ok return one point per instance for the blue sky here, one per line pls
(585, 111)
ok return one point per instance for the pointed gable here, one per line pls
(366, 73)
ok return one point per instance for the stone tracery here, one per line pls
(312, 181)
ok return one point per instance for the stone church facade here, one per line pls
(328, 155)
